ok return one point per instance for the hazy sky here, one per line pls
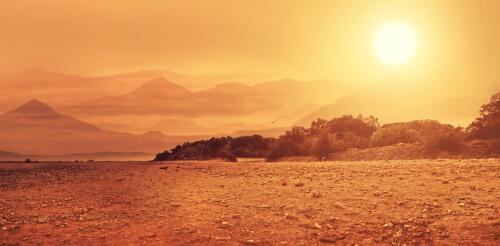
(457, 40)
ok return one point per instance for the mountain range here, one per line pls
(130, 116)
(124, 102)
(401, 103)
(37, 129)
(160, 96)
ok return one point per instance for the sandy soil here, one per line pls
(215, 203)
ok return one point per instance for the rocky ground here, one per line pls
(214, 203)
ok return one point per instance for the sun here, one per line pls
(395, 43)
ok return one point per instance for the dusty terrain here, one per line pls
(215, 203)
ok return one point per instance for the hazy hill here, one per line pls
(158, 97)
(8, 155)
(159, 88)
(401, 104)
(192, 82)
(181, 126)
(124, 102)
(60, 89)
(35, 128)
(163, 97)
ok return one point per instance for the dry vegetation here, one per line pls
(331, 139)
(251, 203)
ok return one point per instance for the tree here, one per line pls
(322, 146)
(487, 125)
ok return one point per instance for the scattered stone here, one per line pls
(331, 238)
(299, 184)
(327, 240)
(224, 224)
(222, 238)
(164, 168)
(249, 242)
(315, 194)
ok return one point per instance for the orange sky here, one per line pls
(458, 40)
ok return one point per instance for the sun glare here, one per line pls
(395, 43)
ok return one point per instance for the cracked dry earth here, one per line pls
(443, 202)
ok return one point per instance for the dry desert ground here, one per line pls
(412, 202)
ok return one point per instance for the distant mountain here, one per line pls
(37, 129)
(8, 155)
(124, 102)
(192, 82)
(34, 107)
(271, 132)
(165, 98)
(181, 126)
(99, 156)
(35, 116)
(159, 88)
(62, 90)
(401, 104)
(155, 97)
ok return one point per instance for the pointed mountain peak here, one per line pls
(34, 107)
(160, 82)
(160, 86)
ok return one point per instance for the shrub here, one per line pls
(226, 148)
(322, 145)
(443, 137)
(250, 146)
(395, 133)
(487, 125)
(359, 126)
(325, 137)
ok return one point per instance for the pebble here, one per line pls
(317, 226)
(249, 242)
(223, 238)
(328, 240)
(224, 224)
(315, 194)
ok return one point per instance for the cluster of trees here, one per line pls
(432, 134)
(487, 125)
(324, 137)
(226, 148)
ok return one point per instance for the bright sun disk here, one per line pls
(395, 43)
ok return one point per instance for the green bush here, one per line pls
(487, 125)
(395, 133)
(443, 137)
(325, 137)
(322, 145)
